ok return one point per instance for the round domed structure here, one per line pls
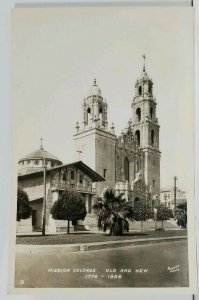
(144, 77)
(35, 160)
(144, 85)
(95, 90)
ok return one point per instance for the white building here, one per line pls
(167, 197)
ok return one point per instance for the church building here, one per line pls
(130, 162)
(75, 176)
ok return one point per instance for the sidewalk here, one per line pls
(38, 233)
(92, 246)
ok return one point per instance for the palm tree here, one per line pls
(113, 213)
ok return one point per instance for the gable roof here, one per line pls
(78, 164)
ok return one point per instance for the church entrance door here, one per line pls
(34, 217)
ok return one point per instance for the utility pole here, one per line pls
(175, 180)
(155, 217)
(44, 201)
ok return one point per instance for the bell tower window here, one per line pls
(100, 114)
(140, 90)
(152, 137)
(138, 114)
(137, 133)
(151, 112)
(88, 112)
(150, 89)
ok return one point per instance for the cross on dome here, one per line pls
(41, 146)
(144, 57)
(94, 90)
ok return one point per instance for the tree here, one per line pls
(70, 206)
(23, 205)
(113, 212)
(163, 213)
(181, 214)
(141, 212)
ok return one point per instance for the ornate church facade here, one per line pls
(130, 162)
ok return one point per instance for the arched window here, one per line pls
(138, 114)
(152, 137)
(36, 162)
(137, 133)
(88, 112)
(151, 112)
(150, 88)
(126, 168)
(100, 113)
(140, 90)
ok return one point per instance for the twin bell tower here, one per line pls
(126, 158)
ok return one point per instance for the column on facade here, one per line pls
(94, 110)
(142, 163)
(84, 114)
(87, 202)
(144, 134)
(105, 117)
(146, 169)
(131, 170)
(51, 227)
(92, 197)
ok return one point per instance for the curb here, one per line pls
(92, 246)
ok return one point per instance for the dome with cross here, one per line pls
(37, 159)
(95, 90)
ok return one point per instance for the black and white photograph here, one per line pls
(102, 148)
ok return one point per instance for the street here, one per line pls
(157, 265)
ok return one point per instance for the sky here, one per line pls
(56, 54)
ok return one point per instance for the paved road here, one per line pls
(147, 266)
